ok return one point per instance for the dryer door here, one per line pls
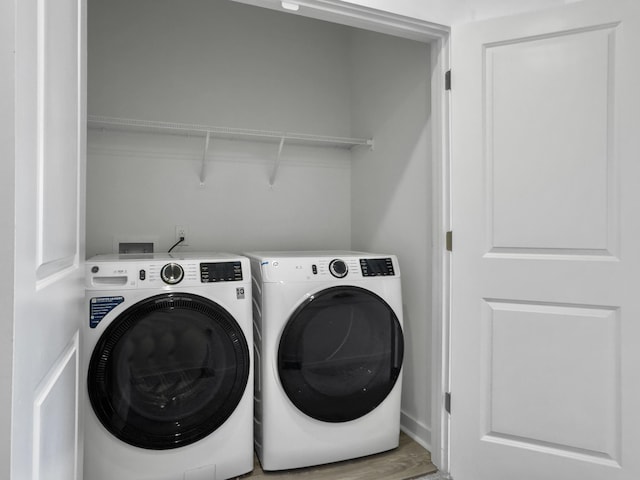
(168, 371)
(340, 354)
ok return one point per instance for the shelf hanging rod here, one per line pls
(103, 122)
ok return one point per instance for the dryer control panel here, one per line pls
(343, 266)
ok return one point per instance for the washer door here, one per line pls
(340, 354)
(168, 371)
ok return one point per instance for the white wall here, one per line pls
(391, 195)
(227, 64)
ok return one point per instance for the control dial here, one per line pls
(338, 268)
(172, 273)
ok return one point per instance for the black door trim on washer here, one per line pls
(168, 371)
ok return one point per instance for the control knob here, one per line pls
(172, 273)
(338, 268)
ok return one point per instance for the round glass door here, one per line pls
(340, 354)
(168, 371)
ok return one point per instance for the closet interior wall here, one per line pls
(227, 64)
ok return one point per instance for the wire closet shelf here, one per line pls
(99, 122)
(208, 131)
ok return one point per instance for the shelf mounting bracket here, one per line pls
(203, 168)
(276, 165)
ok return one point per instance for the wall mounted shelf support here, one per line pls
(203, 169)
(276, 164)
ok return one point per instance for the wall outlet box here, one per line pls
(181, 232)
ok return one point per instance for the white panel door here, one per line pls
(46, 432)
(545, 326)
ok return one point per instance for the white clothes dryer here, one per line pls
(168, 361)
(328, 356)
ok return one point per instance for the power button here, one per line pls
(142, 275)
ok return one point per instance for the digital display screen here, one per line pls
(220, 272)
(374, 267)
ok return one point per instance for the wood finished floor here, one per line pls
(407, 461)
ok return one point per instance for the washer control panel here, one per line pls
(115, 273)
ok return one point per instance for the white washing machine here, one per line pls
(328, 356)
(168, 360)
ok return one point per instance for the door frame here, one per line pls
(7, 217)
(437, 37)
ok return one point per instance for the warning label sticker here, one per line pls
(99, 307)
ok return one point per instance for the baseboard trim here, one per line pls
(418, 431)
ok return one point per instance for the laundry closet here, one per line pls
(358, 178)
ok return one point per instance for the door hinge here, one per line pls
(449, 241)
(447, 80)
(447, 402)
